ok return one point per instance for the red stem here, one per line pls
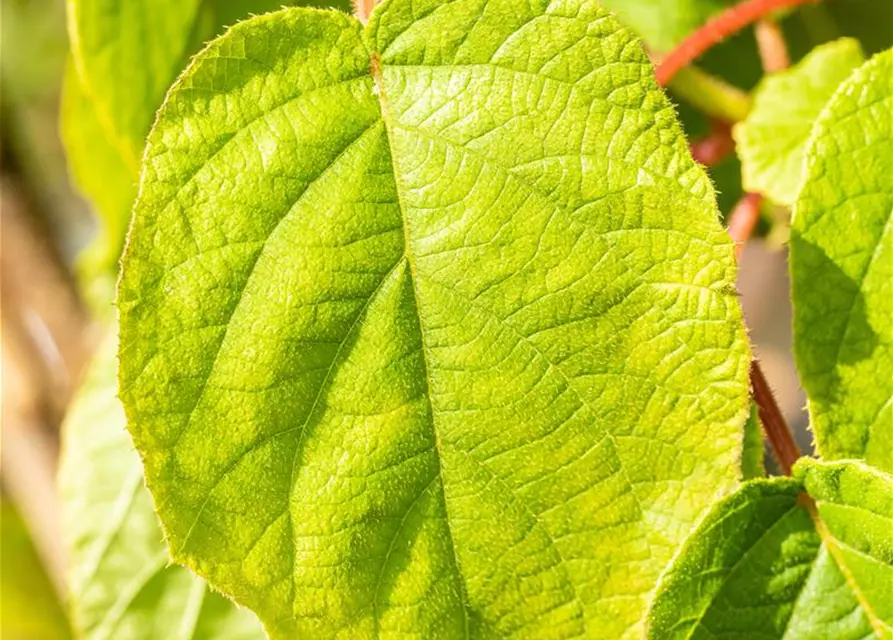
(722, 26)
(713, 149)
(362, 9)
(743, 220)
(776, 429)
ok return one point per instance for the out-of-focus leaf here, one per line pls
(772, 139)
(125, 55)
(99, 169)
(122, 584)
(29, 607)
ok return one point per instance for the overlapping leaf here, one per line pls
(30, 605)
(767, 563)
(842, 269)
(430, 328)
(772, 140)
(125, 56)
(122, 585)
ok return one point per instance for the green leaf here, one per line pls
(772, 139)
(753, 453)
(30, 607)
(125, 54)
(765, 564)
(430, 326)
(842, 270)
(662, 24)
(122, 584)
(103, 176)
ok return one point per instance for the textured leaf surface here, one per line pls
(842, 270)
(438, 338)
(772, 139)
(126, 54)
(759, 567)
(122, 584)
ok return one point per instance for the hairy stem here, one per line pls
(722, 26)
(711, 95)
(774, 426)
(741, 225)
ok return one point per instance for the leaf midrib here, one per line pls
(375, 72)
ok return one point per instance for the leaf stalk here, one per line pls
(715, 31)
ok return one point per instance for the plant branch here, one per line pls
(362, 9)
(711, 95)
(774, 426)
(772, 46)
(722, 26)
(714, 148)
(743, 220)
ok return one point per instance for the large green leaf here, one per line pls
(430, 326)
(765, 563)
(122, 584)
(125, 55)
(842, 269)
(772, 139)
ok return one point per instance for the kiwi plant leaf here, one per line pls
(121, 580)
(768, 563)
(772, 139)
(429, 326)
(842, 270)
(125, 55)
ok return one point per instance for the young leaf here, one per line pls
(772, 139)
(122, 584)
(764, 563)
(842, 270)
(125, 54)
(431, 326)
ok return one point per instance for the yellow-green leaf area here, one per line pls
(121, 580)
(842, 270)
(428, 328)
(772, 140)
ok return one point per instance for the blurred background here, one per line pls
(54, 309)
